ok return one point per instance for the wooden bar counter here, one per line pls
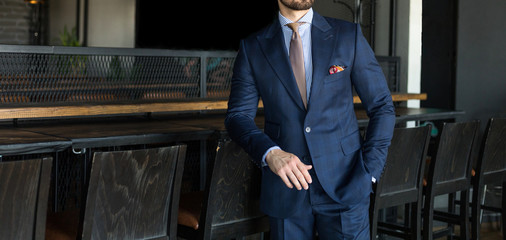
(19, 142)
(160, 128)
(29, 112)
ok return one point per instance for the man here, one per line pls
(316, 169)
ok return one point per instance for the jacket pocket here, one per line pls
(351, 143)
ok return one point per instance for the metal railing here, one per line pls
(391, 67)
(53, 75)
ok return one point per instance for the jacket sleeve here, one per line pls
(371, 86)
(242, 108)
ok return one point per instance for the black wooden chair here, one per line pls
(24, 190)
(401, 183)
(132, 195)
(229, 206)
(449, 172)
(490, 169)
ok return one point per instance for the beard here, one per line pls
(298, 4)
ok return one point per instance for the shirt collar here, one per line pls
(307, 18)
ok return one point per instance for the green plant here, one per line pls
(71, 64)
(69, 39)
(116, 71)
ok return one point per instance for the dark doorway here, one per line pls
(203, 25)
(439, 53)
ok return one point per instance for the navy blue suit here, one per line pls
(327, 132)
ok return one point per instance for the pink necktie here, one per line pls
(297, 60)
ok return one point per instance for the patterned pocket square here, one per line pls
(336, 69)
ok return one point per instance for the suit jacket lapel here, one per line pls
(273, 47)
(323, 44)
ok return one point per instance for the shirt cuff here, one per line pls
(373, 180)
(264, 163)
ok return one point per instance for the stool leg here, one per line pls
(476, 211)
(451, 209)
(464, 214)
(503, 210)
(416, 219)
(374, 223)
(428, 215)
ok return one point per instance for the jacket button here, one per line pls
(308, 129)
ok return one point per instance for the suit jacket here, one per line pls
(327, 131)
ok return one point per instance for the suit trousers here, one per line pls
(321, 216)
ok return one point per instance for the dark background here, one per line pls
(200, 25)
(439, 49)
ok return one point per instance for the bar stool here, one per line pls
(229, 206)
(490, 169)
(24, 190)
(401, 183)
(131, 195)
(450, 172)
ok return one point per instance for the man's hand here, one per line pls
(289, 168)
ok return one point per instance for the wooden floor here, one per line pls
(491, 236)
(491, 231)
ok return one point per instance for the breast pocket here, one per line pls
(336, 77)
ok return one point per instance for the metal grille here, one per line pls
(346, 9)
(219, 73)
(391, 68)
(65, 75)
(366, 21)
(358, 11)
(29, 75)
(67, 181)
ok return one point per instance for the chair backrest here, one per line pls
(24, 190)
(130, 194)
(450, 170)
(233, 195)
(404, 165)
(492, 162)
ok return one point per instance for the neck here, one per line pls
(293, 15)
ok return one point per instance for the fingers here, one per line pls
(285, 180)
(290, 169)
(295, 181)
(290, 179)
(296, 174)
(304, 169)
